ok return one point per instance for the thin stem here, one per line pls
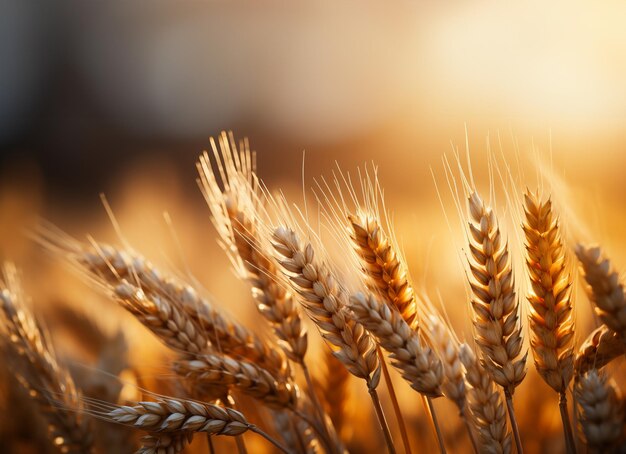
(468, 426)
(575, 415)
(316, 403)
(256, 430)
(394, 401)
(509, 406)
(209, 441)
(433, 416)
(327, 444)
(570, 445)
(382, 421)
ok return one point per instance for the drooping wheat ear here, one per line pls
(417, 363)
(178, 416)
(244, 376)
(486, 406)
(164, 318)
(385, 273)
(326, 304)
(235, 206)
(599, 412)
(165, 443)
(605, 289)
(34, 364)
(226, 335)
(551, 316)
(495, 304)
(601, 347)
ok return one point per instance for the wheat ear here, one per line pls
(605, 289)
(447, 347)
(326, 303)
(110, 264)
(485, 405)
(417, 363)
(599, 412)
(495, 304)
(235, 206)
(385, 273)
(245, 376)
(37, 370)
(601, 347)
(177, 416)
(551, 318)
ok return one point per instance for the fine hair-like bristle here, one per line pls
(495, 304)
(551, 318)
(605, 289)
(486, 406)
(600, 412)
(419, 365)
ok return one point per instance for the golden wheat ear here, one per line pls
(600, 412)
(36, 368)
(605, 289)
(601, 347)
(487, 409)
(233, 194)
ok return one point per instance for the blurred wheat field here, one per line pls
(300, 251)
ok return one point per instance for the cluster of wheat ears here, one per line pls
(365, 308)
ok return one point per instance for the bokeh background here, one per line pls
(120, 97)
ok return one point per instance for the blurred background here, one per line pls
(120, 97)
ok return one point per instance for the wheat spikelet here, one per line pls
(601, 347)
(385, 273)
(325, 303)
(599, 411)
(486, 405)
(418, 364)
(496, 308)
(165, 443)
(247, 377)
(169, 415)
(111, 265)
(605, 289)
(235, 206)
(37, 370)
(551, 309)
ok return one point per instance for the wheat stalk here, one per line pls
(36, 368)
(600, 412)
(601, 347)
(551, 317)
(297, 434)
(495, 304)
(235, 207)
(486, 406)
(605, 289)
(245, 376)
